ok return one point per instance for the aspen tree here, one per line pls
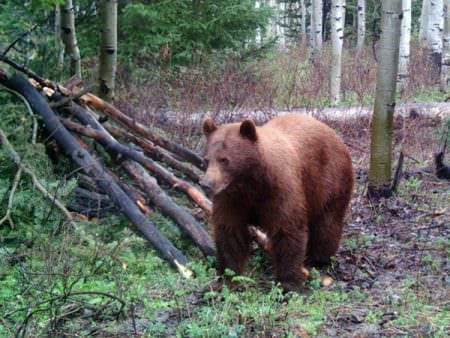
(445, 71)
(361, 24)
(108, 48)
(405, 40)
(381, 126)
(337, 39)
(69, 38)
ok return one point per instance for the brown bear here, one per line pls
(292, 177)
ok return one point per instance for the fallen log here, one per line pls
(157, 196)
(116, 114)
(193, 120)
(80, 156)
(30, 73)
(169, 208)
(111, 144)
(156, 152)
(136, 127)
(91, 204)
(88, 183)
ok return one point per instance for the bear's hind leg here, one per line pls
(324, 237)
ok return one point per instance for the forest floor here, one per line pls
(391, 274)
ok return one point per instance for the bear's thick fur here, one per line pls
(292, 177)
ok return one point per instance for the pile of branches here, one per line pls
(77, 119)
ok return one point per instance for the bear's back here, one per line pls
(319, 155)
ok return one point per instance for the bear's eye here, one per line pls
(223, 161)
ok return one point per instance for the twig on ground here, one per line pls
(398, 172)
(30, 111)
(7, 216)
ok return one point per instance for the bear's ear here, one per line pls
(248, 130)
(208, 126)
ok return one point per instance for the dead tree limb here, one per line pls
(42, 81)
(7, 216)
(80, 156)
(67, 99)
(110, 144)
(157, 196)
(398, 172)
(17, 160)
(156, 152)
(136, 127)
(169, 208)
(88, 183)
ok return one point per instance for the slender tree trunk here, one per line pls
(381, 127)
(445, 71)
(281, 24)
(258, 35)
(424, 22)
(316, 27)
(337, 39)
(108, 48)
(361, 25)
(69, 37)
(58, 43)
(303, 9)
(434, 29)
(405, 39)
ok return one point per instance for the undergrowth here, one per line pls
(282, 80)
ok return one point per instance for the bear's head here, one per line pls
(231, 154)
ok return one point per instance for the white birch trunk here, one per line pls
(58, 43)
(435, 26)
(258, 37)
(424, 22)
(361, 25)
(405, 40)
(337, 39)
(316, 26)
(445, 70)
(273, 32)
(108, 48)
(281, 25)
(303, 9)
(69, 37)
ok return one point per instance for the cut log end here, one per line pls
(184, 270)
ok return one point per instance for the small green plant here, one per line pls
(412, 183)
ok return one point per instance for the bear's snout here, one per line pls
(208, 185)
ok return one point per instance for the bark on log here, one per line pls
(80, 156)
(136, 127)
(156, 153)
(148, 184)
(427, 109)
(92, 204)
(169, 208)
(110, 144)
(87, 183)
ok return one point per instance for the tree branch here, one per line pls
(15, 157)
